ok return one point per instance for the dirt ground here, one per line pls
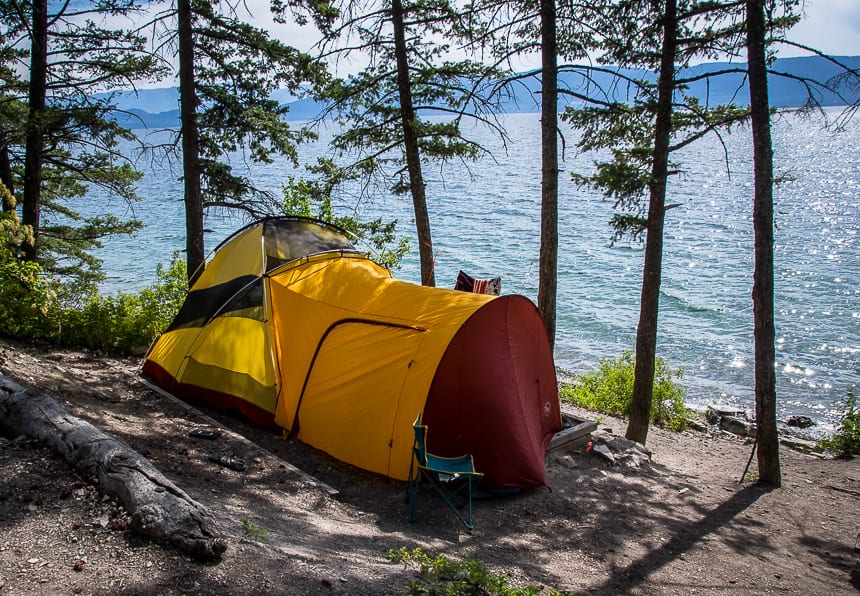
(679, 525)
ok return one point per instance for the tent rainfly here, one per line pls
(291, 326)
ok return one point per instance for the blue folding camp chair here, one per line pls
(451, 477)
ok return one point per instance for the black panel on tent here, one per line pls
(201, 305)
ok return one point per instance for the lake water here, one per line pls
(485, 220)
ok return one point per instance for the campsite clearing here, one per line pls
(678, 526)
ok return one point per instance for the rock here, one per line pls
(697, 426)
(801, 445)
(605, 452)
(714, 414)
(800, 421)
(567, 461)
(633, 459)
(623, 451)
(619, 444)
(737, 426)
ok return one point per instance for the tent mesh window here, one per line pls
(287, 240)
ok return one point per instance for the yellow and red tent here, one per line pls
(290, 325)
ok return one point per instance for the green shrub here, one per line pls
(439, 575)
(846, 440)
(609, 389)
(312, 198)
(29, 299)
(254, 531)
(127, 322)
(31, 309)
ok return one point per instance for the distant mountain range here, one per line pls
(158, 108)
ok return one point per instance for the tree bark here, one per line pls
(763, 290)
(413, 156)
(195, 252)
(548, 273)
(649, 307)
(159, 509)
(33, 159)
(6, 170)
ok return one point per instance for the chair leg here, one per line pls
(444, 498)
(449, 500)
(469, 525)
(412, 498)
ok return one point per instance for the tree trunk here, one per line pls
(649, 307)
(548, 274)
(410, 141)
(6, 171)
(158, 508)
(195, 255)
(32, 203)
(763, 292)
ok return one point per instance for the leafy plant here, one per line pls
(29, 299)
(609, 389)
(253, 531)
(37, 306)
(312, 198)
(845, 442)
(126, 322)
(27, 294)
(439, 575)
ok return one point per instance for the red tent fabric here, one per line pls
(497, 380)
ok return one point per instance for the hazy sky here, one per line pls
(832, 26)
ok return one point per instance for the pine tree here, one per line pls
(66, 140)
(644, 128)
(382, 109)
(767, 439)
(228, 70)
(507, 29)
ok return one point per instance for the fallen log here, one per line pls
(158, 508)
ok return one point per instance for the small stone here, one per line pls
(567, 461)
(604, 451)
(736, 426)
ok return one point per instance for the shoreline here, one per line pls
(825, 425)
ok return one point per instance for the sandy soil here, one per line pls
(680, 524)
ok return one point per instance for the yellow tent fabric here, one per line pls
(365, 349)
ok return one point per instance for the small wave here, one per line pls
(686, 305)
(796, 369)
